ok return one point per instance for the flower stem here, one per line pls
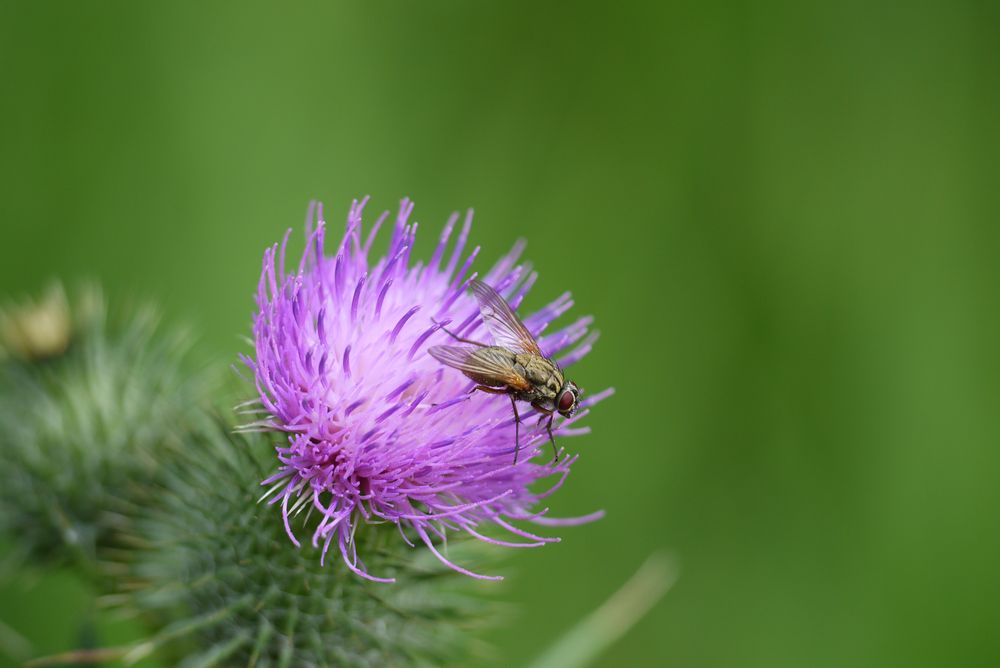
(582, 644)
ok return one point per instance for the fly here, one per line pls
(514, 365)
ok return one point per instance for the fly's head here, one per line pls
(568, 399)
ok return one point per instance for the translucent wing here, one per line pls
(482, 365)
(507, 329)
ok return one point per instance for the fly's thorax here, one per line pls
(545, 377)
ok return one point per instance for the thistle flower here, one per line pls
(88, 406)
(377, 430)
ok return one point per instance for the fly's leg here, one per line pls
(513, 405)
(517, 428)
(548, 427)
(457, 337)
(488, 389)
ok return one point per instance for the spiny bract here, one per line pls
(212, 558)
(89, 406)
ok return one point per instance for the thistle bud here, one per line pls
(89, 404)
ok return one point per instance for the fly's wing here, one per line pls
(507, 329)
(481, 365)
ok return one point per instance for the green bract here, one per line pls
(213, 557)
(89, 407)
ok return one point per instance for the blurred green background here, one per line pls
(783, 215)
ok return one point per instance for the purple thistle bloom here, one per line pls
(378, 430)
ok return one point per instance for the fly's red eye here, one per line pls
(566, 401)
